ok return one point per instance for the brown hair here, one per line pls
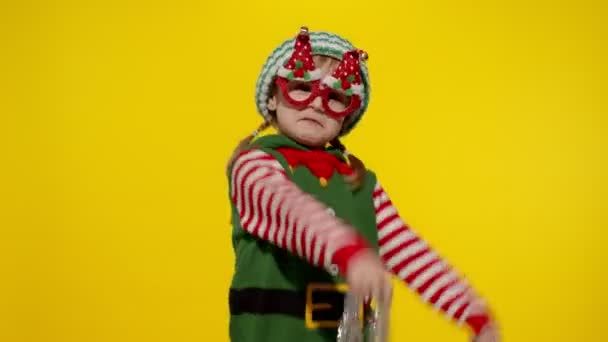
(355, 163)
(243, 144)
(327, 65)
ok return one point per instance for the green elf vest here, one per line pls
(277, 296)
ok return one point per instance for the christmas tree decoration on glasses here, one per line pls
(301, 82)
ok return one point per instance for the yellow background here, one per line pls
(487, 127)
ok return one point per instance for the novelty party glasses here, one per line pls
(302, 94)
(301, 82)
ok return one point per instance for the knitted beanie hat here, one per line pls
(323, 43)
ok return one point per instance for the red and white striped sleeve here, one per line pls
(412, 260)
(271, 207)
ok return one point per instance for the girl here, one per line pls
(309, 217)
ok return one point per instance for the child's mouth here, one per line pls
(312, 121)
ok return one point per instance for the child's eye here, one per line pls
(339, 97)
(338, 101)
(300, 90)
(300, 86)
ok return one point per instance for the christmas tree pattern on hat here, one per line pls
(347, 77)
(300, 65)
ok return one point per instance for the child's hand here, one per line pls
(488, 334)
(368, 278)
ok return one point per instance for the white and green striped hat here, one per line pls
(323, 43)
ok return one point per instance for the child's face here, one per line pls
(309, 126)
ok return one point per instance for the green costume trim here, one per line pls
(262, 265)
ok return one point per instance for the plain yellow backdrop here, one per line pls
(487, 127)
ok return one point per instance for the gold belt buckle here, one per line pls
(311, 307)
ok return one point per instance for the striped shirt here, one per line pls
(271, 207)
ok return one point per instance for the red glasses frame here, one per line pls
(318, 89)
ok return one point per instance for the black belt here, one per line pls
(328, 304)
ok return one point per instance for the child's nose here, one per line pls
(317, 103)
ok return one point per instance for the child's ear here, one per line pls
(272, 103)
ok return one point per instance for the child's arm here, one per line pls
(413, 261)
(273, 208)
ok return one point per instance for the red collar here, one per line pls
(320, 163)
